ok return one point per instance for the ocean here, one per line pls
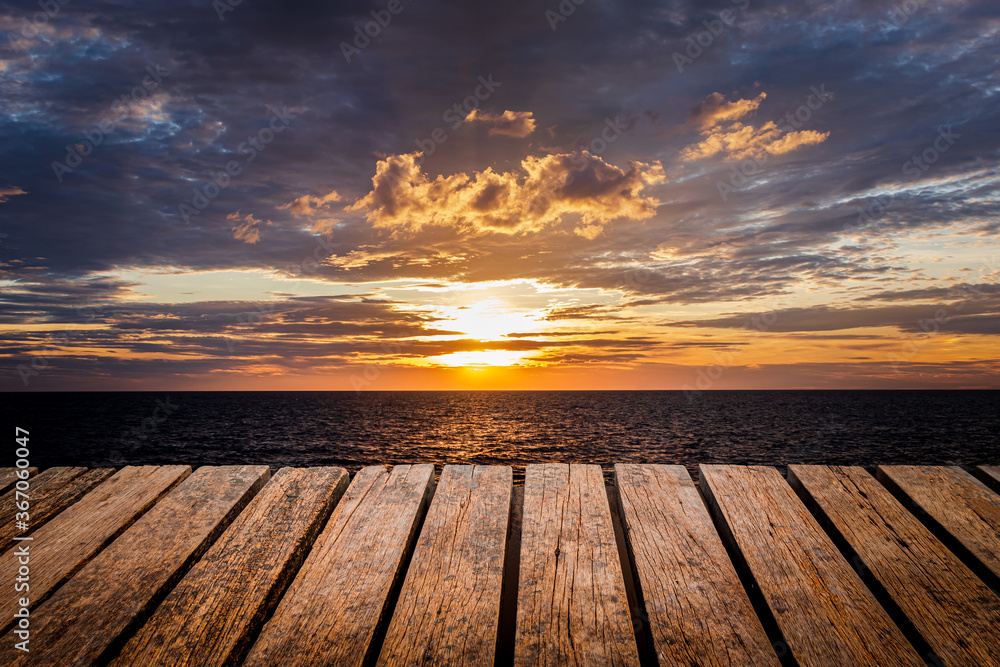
(353, 429)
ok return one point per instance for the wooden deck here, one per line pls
(231, 565)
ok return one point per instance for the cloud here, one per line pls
(509, 123)
(975, 315)
(10, 191)
(310, 205)
(723, 133)
(547, 190)
(247, 228)
(714, 110)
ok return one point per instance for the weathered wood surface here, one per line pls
(118, 588)
(698, 610)
(67, 542)
(990, 476)
(448, 611)
(9, 475)
(572, 606)
(957, 503)
(110, 577)
(211, 615)
(332, 610)
(826, 614)
(949, 606)
(50, 492)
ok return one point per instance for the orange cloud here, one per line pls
(714, 110)
(509, 123)
(723, 133)
(247, 228)
(548, 190)
(309, 204)
(10, 191)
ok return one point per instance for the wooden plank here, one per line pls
(63, 545)
(50, 492)
(698, 610)
(210, 617)
(572, 606)
(824, 611)
(990, 476)
(956, 503)
(82, 621)
(949, 606)
(449, 607)
(339, 600)
(9, 475)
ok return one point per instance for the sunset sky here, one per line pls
(504, 195)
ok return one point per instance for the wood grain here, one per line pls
(952, 609)
(67, 542)
(825, 612)
(956, 503)
(50, 492)
(698, 610)
(572, 606)
(9, 475)
(118, 589)
(448, 611)
(338, 600)
(211, 615)
(990, 476)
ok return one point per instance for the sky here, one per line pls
(585, 194)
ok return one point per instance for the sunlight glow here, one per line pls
(489, 319)
(479, 359)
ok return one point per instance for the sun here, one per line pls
(489, 319)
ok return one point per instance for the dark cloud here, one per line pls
(129, 146)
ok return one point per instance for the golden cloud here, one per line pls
(247, 228)
(548, 189)
(10, 191)
(723, 133)
(714, 110)
(310, 205)
(509, 123)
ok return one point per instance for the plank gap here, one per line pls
(507, 632)
(378, 637)
(116, 645)
(882, 596)
(757, 600)
(954, 545)
(295, 564)
(633, 592)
